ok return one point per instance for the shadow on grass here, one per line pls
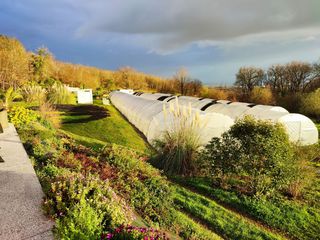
(82, 113)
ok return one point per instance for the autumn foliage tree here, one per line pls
(13, 63)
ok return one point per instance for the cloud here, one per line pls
(167, 25)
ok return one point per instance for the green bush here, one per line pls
(311, 104)
(254, 156)
(82, 222)
(291, 102)
(21, 117)
(26, 119)
(70, 189)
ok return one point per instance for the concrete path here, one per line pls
(21, 195)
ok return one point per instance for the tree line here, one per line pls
(281, 84)
(283, 79)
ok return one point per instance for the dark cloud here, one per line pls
(212, 38)
(174, 23)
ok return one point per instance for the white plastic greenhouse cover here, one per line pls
(153, 96)
(149, 117)
(240, 104)
(224, 101)
(211, 125)
(300, 128)
(202, 103)
(233, 111)
(186, 100)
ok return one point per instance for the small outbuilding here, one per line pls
(84, 96)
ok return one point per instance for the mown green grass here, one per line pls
(222, 221)
(111, 129)
(293, 219)
(194, 230)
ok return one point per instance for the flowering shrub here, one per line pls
(22, 117)
(69, 189)
(83, 222)
(134, 233)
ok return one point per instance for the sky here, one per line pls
(211, 38)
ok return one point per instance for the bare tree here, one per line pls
(194, 87)
(182, 79)
(249, 77)
(299, 75)
(277, 80)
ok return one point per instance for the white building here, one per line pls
(84, 96)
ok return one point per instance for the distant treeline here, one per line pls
(282, 84)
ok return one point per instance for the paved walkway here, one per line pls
(21, 195)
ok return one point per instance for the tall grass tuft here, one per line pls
(34, 94)
(59, 94)
(49, 113)
(177, 148)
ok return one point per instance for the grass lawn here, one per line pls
(94, 126)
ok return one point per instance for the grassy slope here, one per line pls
(293, 219)
(226, 223)
(110, 129)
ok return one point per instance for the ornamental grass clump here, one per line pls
(59, 94)
(33, 93)
(178, 146)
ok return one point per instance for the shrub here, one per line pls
(311, 104)
(177, 149)
(70, 189)
(82, 222)
(305, 160)
(254, 156)
(59, 94)
(261, 95)
(21, 117)
(214, 93)
(28, 120)
(291, 102)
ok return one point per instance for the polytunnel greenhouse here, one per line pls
(147, 112)
(152, 118)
